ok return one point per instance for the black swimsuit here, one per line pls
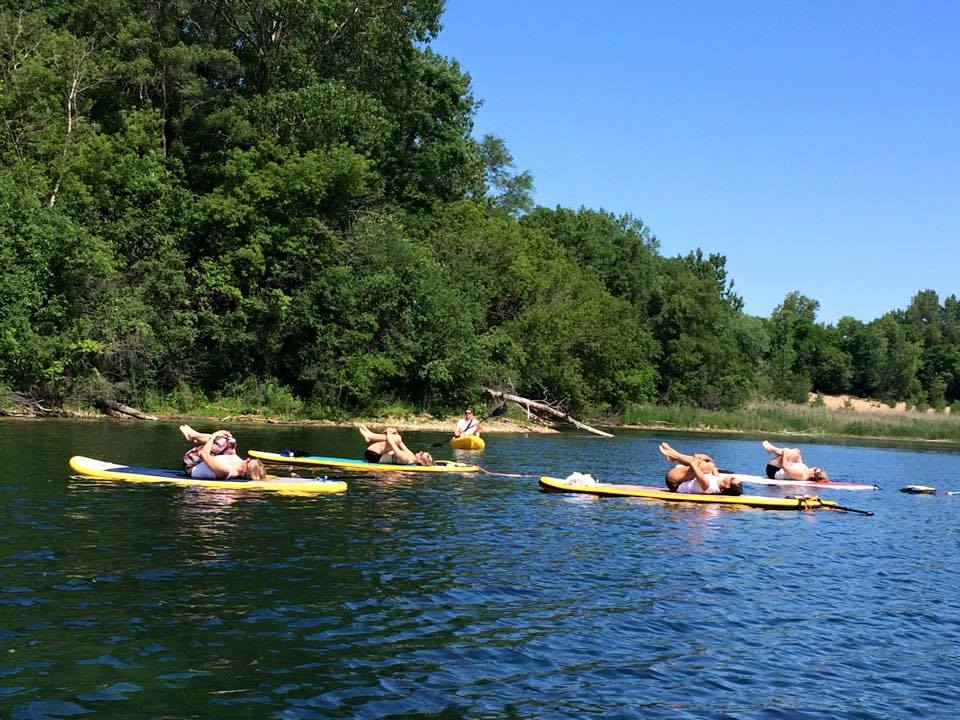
(371, 456)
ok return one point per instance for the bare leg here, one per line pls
(193, 436)
(380, 447)
(675, 456)
(400, 451)
(678, 474)
(371, 436)
(782, 456)
(678, 457)
(772, 449)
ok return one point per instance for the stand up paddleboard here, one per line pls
(826, 485)
(799, 502)
(440, 466)
(100, 470)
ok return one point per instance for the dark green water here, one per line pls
(474, 597)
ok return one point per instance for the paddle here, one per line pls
(849, 509)
(496, 412)
(828, 505)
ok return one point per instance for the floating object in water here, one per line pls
(919, 490)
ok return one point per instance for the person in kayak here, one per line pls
(787, 464)
(467, 425)
(697, 474)
(214, 457)
(388, 447)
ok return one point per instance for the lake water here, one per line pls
(470, 596)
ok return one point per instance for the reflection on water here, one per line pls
(468, 596)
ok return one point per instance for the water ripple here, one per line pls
(472, 597)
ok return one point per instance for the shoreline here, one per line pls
(794, 436)
(491, 426)
(835, 419)
(497, 426)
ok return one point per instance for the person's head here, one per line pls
(253, 469)
(818, 474)
(423, 458)
(468, 413)
(730, 486)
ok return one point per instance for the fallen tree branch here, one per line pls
(526, 404)
(30, 405)
(123, 409)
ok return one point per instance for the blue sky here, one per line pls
(815, 144)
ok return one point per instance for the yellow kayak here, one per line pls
(100, 470)
(440, 466)
(467, 442)
(806, 502)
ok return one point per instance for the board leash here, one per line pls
(503, 474)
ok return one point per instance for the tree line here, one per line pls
(220, 197)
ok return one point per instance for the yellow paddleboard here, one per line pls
(468, 442)
(441, 466)
(100, 470)
(807, 502)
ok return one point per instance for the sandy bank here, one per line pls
(417, 422)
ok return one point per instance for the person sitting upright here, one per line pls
(787, 464)
(697, 474)
(214, 457)
(388, 447)
(468, 424)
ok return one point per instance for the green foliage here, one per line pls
(273, 206)
(792, 328)
(508, 191)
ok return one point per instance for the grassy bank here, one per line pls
(255, 402)
(777, 417)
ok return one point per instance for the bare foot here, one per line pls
(770, 448)
(188, 432)
(668, 452)
(365, 431)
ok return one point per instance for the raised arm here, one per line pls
(222, 465)
(698, 472)
(400, 450)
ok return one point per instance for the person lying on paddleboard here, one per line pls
(697, 474)
(468, 424)
(387, 447)
(787, 464)
(214, 457)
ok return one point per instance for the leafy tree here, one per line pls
(620, 248)
(508, 191)
(792, 335)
